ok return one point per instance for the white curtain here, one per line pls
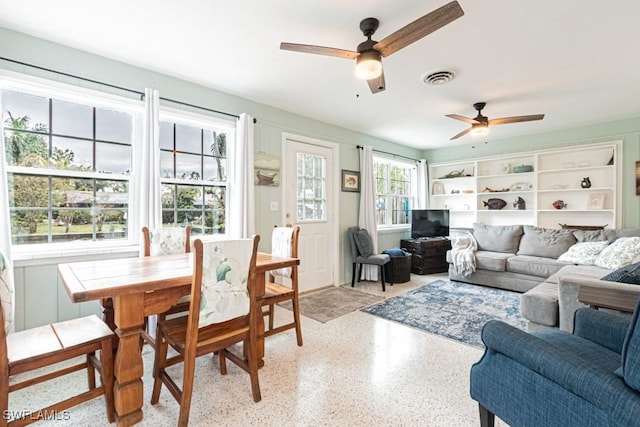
(242, 209)
(422, 186)
(148, 191)
(7, 294)
(367, 216)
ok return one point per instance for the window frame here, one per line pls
(390, 161)
(190, 118)
(95, 99)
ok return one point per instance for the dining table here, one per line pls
(139, 287)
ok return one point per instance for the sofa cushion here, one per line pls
(613, 234)
(540, 304)
(619, 253)
(503, 238)
(533, 265)
(627, 274)
(545, 242)
(493, 261)
(584, 253)
(590, 235)
(363, 242)
(630, 351)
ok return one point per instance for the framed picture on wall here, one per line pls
(350, 180)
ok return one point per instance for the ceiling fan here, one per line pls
(368, 53)
(480, 124)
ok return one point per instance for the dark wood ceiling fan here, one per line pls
(369, 53)
(480, 124)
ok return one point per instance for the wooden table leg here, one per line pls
(128, 368)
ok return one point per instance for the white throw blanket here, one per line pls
(463, 254)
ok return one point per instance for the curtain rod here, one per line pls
(360, 147)
(137, 92)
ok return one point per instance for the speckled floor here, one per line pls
(356, 370)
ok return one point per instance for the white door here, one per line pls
(310, 202)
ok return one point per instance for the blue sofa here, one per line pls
(590, 377)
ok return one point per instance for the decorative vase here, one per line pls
(586, 183)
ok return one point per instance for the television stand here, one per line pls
(428, 255)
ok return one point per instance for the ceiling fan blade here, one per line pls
(463, 133)
(515, 119)
(463, 118)
(319, 50)
(419, 28)
(377, 85)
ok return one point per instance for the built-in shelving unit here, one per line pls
(471, 190)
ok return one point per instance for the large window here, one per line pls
(71, 163)
(194, 165)
(395, 191)
(69, 167)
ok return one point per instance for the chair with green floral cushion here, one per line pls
(223, 311)
(165, 241)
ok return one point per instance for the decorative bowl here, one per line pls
(523, 168)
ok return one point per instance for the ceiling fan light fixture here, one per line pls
(368, 65)
(479, 130)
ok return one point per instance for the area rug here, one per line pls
(332, 302)
(452, 309)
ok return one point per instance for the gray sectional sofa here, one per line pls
(547, 266)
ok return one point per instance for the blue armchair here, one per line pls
(555, 378)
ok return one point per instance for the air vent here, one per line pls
(439, 78)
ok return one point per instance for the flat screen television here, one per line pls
(426, 223)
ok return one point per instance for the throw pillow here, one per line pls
(627, 274)
(619, 253)
(363, 242)
(590, 235)
(494, 238)
(545, 242)
(584, 253)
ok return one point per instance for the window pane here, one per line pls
(28, 191)
(72, 154)
(189, 139)
(26, 149)
(22, 111)
(188, 166)
(113, 158)
(215, 169)
(72, 119)
(166, 164)
(166, 135)
(113, 126)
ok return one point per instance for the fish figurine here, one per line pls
(495, 204)
(559, 204)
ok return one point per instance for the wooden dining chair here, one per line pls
(284, 242)
(43, 348)
(222, 313)
(165, 241)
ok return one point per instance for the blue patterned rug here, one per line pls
(452, 309)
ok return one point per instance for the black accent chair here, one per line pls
(361, 247)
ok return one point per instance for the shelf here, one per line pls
(585, 190)
(576, 210)
(584, 169)
(568, 166)
(527, 211)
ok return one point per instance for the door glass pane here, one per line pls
(311, 187)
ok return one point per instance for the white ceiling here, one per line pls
(577, 61)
